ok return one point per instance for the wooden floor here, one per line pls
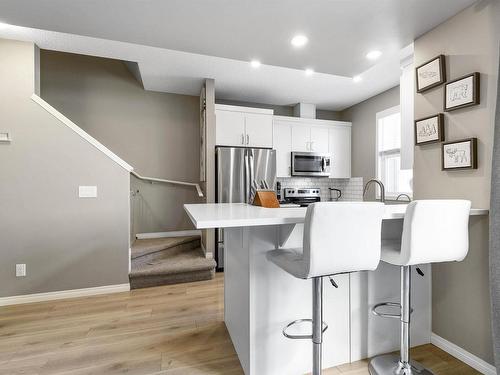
(170, 330)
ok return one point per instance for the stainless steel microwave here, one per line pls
(311, 164)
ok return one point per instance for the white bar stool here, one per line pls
(433, 231)
(339, 237)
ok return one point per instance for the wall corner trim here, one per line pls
(473, 361)
(70, 124)
(63, 294)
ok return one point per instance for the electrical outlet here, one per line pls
(20, 270)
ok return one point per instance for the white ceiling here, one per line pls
(178, 43)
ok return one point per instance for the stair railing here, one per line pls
(161, 180)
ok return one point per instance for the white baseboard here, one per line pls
(63, 294)
(473, 361)
(178, 233)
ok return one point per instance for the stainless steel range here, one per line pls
(301, 196)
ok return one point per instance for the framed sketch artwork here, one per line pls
(462, 92)
(431, 74)
(459, 154)
(429, 130)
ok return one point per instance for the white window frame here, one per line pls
(378, 116)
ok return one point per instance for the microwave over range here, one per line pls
(311, 164)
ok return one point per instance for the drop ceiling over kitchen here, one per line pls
(220, 35)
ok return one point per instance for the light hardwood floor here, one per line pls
(170, 330)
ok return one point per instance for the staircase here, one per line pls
(172, 260)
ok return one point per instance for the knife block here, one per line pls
(266, 198)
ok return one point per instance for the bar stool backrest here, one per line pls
(342, 237)
(435, 231)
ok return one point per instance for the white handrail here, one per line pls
(152, 179)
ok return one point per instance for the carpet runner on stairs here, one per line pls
(172, 260)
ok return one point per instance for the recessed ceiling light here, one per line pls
(357, 79)
(255, 63)
(373, 55)
(309, 72)
(299, 40)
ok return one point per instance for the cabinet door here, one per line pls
(319, 139)
(229, 128)
(301, 138)
(283, 146)
(340, 150)
(259, 130)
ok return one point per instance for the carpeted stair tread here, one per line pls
(144, 247)
(185, 262)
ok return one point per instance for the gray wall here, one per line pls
(66, 242)
(364, 130)
(461, 306)
(284, 110)
(157, 133)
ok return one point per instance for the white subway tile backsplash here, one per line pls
(352, 188)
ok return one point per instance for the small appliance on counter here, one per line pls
(301, 196)
(335, 194)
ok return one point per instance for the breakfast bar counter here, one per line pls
(260, 299)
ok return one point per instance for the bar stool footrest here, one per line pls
(387, 315)
(300, 337)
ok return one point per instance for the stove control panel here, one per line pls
(301, 192)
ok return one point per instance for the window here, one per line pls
(396, 180)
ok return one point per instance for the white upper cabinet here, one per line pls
(301, 138)
(259, 130)
(340, 150)
(283, 145)
(319, 139)
(243, 127)
(307, 135)
(230, 128)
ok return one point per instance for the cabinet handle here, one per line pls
(311, 146)
(307, 146)
(242, 138)
(248, 139)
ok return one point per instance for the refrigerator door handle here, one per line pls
(252, 178)
(247, 177)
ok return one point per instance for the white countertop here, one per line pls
(231, 215)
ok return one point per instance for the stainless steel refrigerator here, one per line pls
(237, 170)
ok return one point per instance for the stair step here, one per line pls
(187, 261)
(145, 247)
(186, 266)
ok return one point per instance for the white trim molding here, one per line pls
(473, 361)
(64, 294)
(70, 124)
(179, 233)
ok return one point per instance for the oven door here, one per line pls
(310, 164)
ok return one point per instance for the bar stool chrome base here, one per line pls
(390, 365)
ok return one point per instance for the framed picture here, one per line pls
(431, 74)
(429, 130)
(462, 92)
(459, 154)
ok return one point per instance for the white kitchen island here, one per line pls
(260, 299)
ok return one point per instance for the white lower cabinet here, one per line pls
(339, 139)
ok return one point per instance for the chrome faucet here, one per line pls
(380, 184)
